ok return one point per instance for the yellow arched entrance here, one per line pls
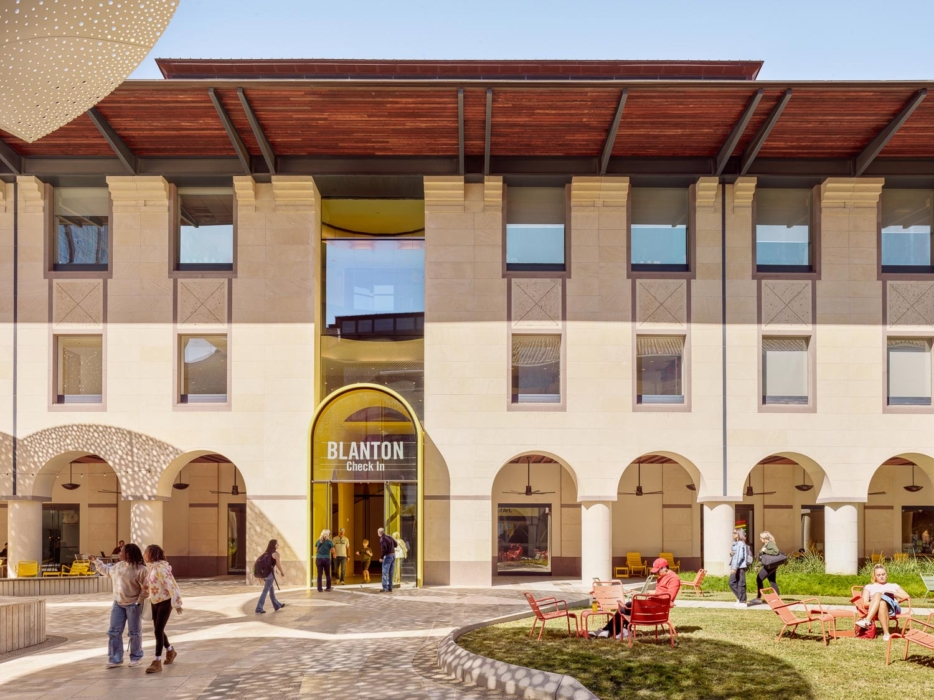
(366, 443)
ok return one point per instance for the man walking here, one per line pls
(387, 548)
(341, 549)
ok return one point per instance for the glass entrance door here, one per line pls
(400, 511)
(61, 533)
(236, 538)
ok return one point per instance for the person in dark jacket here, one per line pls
(387, 557)
(769, 573)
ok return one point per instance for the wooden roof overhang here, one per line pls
(203, 128)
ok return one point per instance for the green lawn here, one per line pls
(719, 654)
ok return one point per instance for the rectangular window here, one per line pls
(536, 368)
(535, 219)
(79, 369)
(523, 538)
(659, 369)
(659, 229)
(909, 372)
(205, 229)
(783, 230)
(80, 229)
(906, 231)
(203, 368)
(785, 371)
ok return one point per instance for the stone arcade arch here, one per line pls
(895, 519)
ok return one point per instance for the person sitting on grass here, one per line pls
(668, 582)
(882, 600)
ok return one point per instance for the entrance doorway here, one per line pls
(61, 533)
(366, 468)
(236, 538)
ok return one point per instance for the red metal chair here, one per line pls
(560, 611)
(912, 635)
(901, 620)
(791, 620)
(649, 610)
(696, 585)
(608, 595)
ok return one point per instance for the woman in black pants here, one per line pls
(769, 573)
(164, 594)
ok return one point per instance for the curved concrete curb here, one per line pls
(519, 681)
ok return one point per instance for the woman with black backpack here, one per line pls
(265, 568)
(770, 558)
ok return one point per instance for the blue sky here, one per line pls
(812, 40)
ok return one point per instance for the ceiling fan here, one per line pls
(179, 485)
(71, 485)
(234, 490)
(118, 491)
(750, 493)
(528, 482)
(639, 491)
(804, 485)
(913, 487)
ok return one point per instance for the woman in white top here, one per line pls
(402, 552)
(883, 599)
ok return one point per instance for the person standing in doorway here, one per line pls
(739, 562)
(129, 588)
(366, 556)
(341, 550)
(265, 568)
(387, 557)
(164, 595)
(323, 549)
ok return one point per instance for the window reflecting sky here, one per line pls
(541, 244)
(782, 245)
(659, 245)
(206, 244)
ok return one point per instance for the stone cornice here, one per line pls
(245, 191)
(294, 191)
(31, 191)
(705, 192)
(744, 189)
(445, 193)
(133, 193)
(851, 191)
(592, 191)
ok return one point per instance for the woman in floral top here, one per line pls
(164, 594)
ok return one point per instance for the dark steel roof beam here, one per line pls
(611, 134)
(235, 140)
(752, 150)
(460, 131)
(489, 131)
(117, 144)
(864, 159)
(10, 158)
(268, 154)
(726, 150)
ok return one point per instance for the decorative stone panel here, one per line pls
(77, 303)
(201, 302)
(744, 189)
(536, 303)
(910, 305)
(599, 191)
(787, 304)
(661, 303)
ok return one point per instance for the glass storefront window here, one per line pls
(783, 230)
(203, 368)
(81, 227)
(907, 216)
(79, 369)
(918, 529)
(535, 219)
(205, 238)
(523, 536)
(659, 229)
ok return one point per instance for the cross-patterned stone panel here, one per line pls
(77, 303)
(661, 303)
(787, 304)
(201, 302)
(910, 305)
(536, 303)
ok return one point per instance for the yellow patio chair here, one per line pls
(79, 568)
(877, 558)
(900, 556)
(27, 569)
(634, 563)
(672, 564)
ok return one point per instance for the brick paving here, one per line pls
(352, 643)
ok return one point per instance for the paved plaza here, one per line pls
(350, 643)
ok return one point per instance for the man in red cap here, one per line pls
(668, 582)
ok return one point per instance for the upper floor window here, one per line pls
(80, 233)
(535, 219)
(205, 229)
(203, 368)
(659, 229)
(785, 371)
(536, 368)
(906, 230)
(79, 369)
(659, 369)
(783, 230)
(909, 372)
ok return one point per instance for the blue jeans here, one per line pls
(340, 568)
(388, 562)
(120, 615)
(268, 590)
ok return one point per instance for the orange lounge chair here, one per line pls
(560, 611)
(902, 619)
(651, 610)
(608, 595)
(696, 585)
(790, 619)
(911, 635)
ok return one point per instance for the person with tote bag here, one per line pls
(770, 557)
(164, 595)
(129, 588)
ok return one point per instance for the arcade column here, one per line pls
(146, 522)
(24, 527)
(719, 521)
(596, 540)
(841, 538)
